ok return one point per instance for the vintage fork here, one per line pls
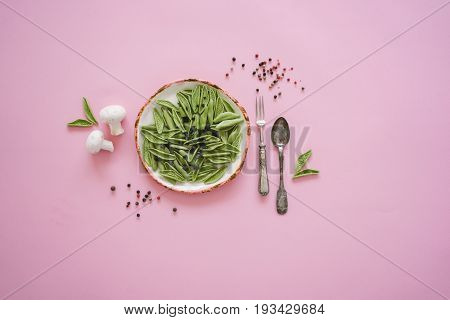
(263, 183)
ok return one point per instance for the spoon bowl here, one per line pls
(280, 132)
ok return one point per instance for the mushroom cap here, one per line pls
(113, 112)
(94, 141)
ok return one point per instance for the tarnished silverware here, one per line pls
(263, 183)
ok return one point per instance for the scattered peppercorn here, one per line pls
(303, 88)
(288, 79)
(113, 188)
(254, 72)
(138, 191)
(128, 203)
(145, 199)
(138, 215)
(146, 196)
(275, 97)
(270, 59)
(292, 68)
(257, 90)
(295, 82)
(234, 59)
(226, 75)
(174, 209)
(149, 192)
(256, 56)
(279, 94)
(231, 69)
(137, 203)
(243, 65)
(128, 185)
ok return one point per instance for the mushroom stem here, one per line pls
(107, 145)
(116, 128)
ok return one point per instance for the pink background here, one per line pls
(379, 134)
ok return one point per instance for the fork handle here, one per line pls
(263, 184)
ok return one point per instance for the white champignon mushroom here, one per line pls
(113, 115)
(96, 142)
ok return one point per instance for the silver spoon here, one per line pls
(280, 138)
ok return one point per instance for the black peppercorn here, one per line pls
(254, 72)
(303, 88)
(174, 209)
(138, 191)
(275, 96)
(137, 203)
(257, 90)
(234, 59)
(226, 75)
(138, 215)
(243, 65)
(145, 199)
(128, 185)
(113, 188)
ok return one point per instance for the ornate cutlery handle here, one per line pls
(263, 183)
(282, 201)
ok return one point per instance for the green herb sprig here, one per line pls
(90, 119)
(301, 162)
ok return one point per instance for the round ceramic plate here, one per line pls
(168, 92)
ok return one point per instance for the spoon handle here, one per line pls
(282, 202)
(263, 185)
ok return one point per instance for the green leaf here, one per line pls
(302, 160)
(88, 112)
(305, 172)
(80, 123)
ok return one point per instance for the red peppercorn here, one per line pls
(295, 82)
(158, 198)
(292, 68)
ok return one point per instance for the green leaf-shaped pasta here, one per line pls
(226, 116)
(227, 124)
(185, 105)
(215, 176)
(159, 122)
